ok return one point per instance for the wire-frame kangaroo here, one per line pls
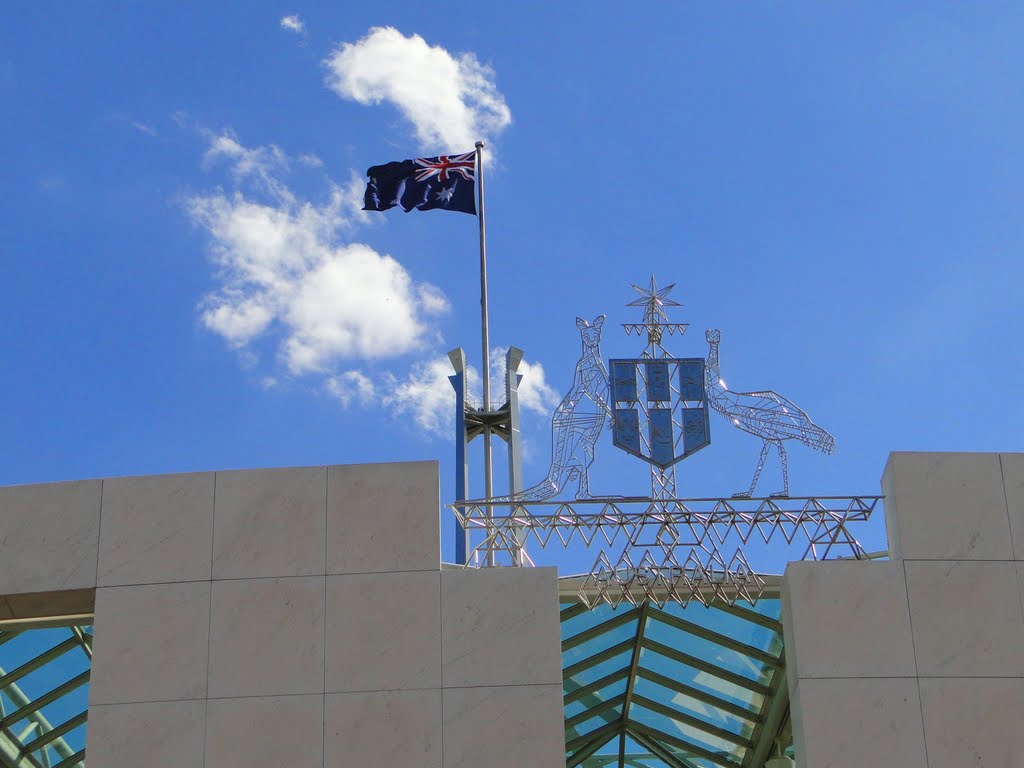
(577, 421)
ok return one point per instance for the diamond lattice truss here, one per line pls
(667, 550)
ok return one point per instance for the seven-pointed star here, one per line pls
(654, 299)
(445, 195)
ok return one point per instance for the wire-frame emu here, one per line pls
(766, 414)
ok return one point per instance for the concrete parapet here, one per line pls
(287, 616)
(918, 661)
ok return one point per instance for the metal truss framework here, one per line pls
(44, 678)
(679, 686)
(666, 550)
(673, 549)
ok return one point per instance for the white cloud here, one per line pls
(262, 164)
(450, 101)
(433, 300)
(288, 272)
(284, 271)
(534, 393)
(351, 387)
(293, 24)
(426, 395)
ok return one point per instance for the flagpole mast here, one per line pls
(485, 334)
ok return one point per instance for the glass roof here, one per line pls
(44, 696)
(679, 686)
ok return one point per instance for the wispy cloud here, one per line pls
(293, 24)
(351, 388)
(145, 128)
(51, 183)
(450, 100)
(263, 165)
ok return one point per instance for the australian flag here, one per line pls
(426, 183)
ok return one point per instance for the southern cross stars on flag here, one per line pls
(445, 182)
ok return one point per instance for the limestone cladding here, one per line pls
(292, 617)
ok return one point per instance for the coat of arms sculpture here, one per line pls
(657, 406)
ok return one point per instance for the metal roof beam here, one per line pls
(565, 614)
(595, 686)
(586, 714)
(36, 704)
(578, 757)
(45, 738)
(714, 637)
(38, 661)
(658, 751)
(682, 744)
(704, 666)
(748, 615)
(750, 715)
(774, 713)
(608, 653)
(695, 722)
(604, 734)
(641, 624)
(600, 629)
(75, 759)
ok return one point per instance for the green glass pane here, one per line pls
(598, 643)
(694, 707)
(596, 672)
(593, 723)
(766, 606)
(709, 651)
(686, 732)
(591, 618)
(574, 708)
(701, 680)
(730, 624)
(607, 693)
(611, 748)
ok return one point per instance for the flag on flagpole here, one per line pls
(446, 182)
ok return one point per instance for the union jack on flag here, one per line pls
(446, 182)
(464, 165)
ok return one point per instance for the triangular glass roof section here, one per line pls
(678, 686)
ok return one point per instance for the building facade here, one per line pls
(303, 618)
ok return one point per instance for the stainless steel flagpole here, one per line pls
(485, 333)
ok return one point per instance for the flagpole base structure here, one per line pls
(471, 423)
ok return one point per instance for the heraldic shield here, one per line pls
(659, 408)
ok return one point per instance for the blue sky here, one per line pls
(188, 284)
